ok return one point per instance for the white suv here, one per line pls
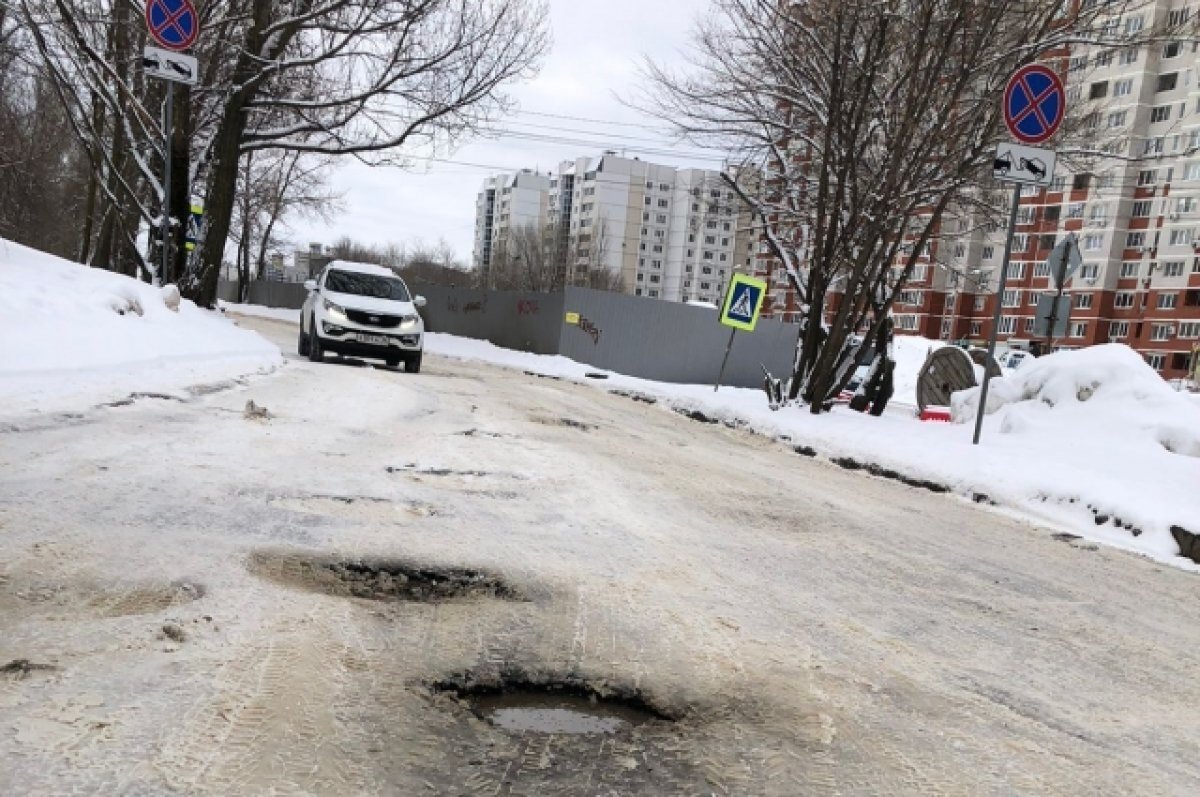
(363, 311)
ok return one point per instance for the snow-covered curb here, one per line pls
(1110, 488)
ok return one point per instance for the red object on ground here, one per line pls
(941, 414)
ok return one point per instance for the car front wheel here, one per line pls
(302, 344)
(316, 352)
(413, 365)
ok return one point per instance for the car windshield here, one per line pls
(373, 285)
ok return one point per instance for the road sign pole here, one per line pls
(725, 359)
(165, 277)
(991, 350)
(1060, 277)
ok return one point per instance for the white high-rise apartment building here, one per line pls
(668, 233)
(507, 202)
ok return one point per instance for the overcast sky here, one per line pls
(595, 56)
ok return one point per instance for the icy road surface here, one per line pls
(171, 620)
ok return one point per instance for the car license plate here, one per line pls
(376, 340)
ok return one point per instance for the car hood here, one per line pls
(371, 304)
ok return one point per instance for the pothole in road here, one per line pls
(380, 579)
(522, 706)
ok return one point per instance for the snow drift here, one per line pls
(71, 336)
(1106, 390)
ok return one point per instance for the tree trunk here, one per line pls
(201, 283)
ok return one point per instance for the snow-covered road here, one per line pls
(810, 630)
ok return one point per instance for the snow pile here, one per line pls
(1107, 391)
(910, 352)
(74, 336)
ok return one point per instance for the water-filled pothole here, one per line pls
(546, 712)
(519, 705)
(380, 579)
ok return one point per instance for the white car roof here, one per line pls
(361, 268)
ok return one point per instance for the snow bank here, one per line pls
(1106, 390)
(72, 336)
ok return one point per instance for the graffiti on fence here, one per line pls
(590, 329)
(478, 306)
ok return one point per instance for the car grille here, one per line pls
(373, 319)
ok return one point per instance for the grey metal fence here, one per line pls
(668, 341)
(269, 294)
(648, 338)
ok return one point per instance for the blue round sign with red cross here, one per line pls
(172, 23)
(1034, 103)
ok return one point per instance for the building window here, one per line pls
(1127, 56)
(1089, 271)
(1167, 301)
(980, 301)
(1008, 325)
(655, 278)
(1156, 361)
(1033, 299)
(1134, 240)
(653, 293)
(1189, 329)
(1173, 268)
(1098, 90)
(1130, 268)
(989, 252)
(648, 200)
(1016, 271)
(1079, 329)
(1041, 270)
(1123, 300)
(1028, 326)
(1123, 88)
(1075, 210)
(1117, 118)
(1020, 242)
(1168, 82)
(662, 203)
(1160, 114)
(1161, 332)
(1092, 242)
(1011, 299)
(1083, 301)
(976, 329)
(1118, 330)
(1142, 208)
(1181, 237)
(1134, 24)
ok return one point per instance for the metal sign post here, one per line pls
(1034, 105)
(174, 25)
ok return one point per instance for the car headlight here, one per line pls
(409, 320)
(334, 310)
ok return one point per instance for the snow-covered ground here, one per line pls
(71, 336)
(1125, 460)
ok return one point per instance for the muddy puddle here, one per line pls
(542, 712)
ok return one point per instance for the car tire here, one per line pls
(392, 362)
(302, 343)
(413, 365)
(316, 352)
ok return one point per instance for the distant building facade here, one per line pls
(668, 233)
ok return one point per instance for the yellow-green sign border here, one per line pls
(734, 282)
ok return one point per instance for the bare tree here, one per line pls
(371, 79)
(870, 120)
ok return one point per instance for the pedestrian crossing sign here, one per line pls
(742, 302)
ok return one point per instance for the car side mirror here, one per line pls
(419, 301)
(310, 285)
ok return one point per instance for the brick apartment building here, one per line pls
(1135, 217)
